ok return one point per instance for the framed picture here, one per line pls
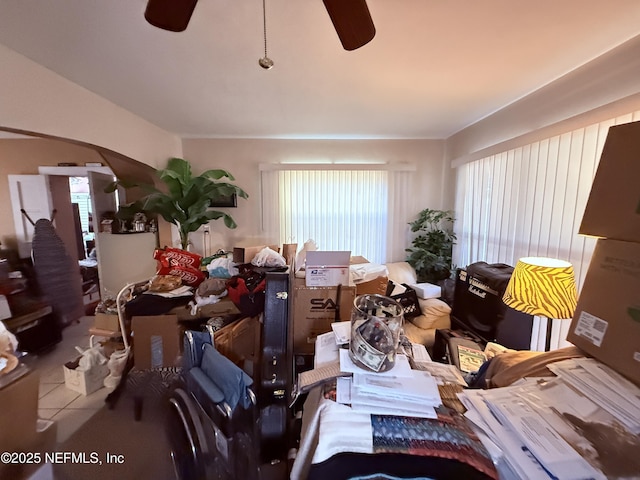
(230, 201)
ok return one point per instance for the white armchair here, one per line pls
(435, 312)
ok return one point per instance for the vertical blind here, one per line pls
(529, 201)
(338, 208)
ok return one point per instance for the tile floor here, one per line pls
(56, 402)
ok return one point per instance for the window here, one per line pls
(529, 201)
(339, 207)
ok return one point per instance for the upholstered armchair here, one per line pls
(435, 312)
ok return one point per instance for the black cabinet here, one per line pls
(35, 331)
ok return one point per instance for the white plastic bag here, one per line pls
(8, 341)
(268, 258)
(222, 267)
(116, 365)
(301, 259)
(199, 301)
(91, 357)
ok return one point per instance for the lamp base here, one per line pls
(541, 334)
(548, 333)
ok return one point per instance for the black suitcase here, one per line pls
(478, 306)
(276, 371)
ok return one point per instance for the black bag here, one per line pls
(408, 300)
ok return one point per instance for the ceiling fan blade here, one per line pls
(352, 21)
(172, 15)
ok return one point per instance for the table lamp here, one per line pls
(543, 287)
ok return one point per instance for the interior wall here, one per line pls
(603, 88)
(433, 182)
(35, 99)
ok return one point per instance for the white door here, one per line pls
(31, 194)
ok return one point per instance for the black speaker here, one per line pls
(478, 306)
(514, 331)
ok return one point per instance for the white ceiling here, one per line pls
(434, 67)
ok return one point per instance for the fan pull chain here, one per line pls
(265, 62)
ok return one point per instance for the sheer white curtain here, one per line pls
(529, 201)
(341, 207)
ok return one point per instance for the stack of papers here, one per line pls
(399, 391)
(403, 390)
(584, 424)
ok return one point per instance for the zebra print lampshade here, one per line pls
(542, 286)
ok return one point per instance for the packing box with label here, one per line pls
(84, 381)
(606, 323)
(105, 321)
(613, 207)
(327, 268)
(156, 341)
(314, 309)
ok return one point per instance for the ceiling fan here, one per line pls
(350, 18)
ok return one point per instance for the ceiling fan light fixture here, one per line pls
(172, 15)
(265, 62)
(352, 21)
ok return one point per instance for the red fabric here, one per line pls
(237, 288)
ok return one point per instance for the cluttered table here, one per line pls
(581, 421)
(358, 423)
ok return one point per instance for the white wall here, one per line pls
(433, 183)
(35, 99)
(603, 88)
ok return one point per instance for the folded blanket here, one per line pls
(508, 367)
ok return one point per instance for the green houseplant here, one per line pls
(182, 199)
(432, 247)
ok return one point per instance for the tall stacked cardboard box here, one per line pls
(315, 309)
(316, 301)
(606, 324)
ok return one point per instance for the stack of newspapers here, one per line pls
(582, 424)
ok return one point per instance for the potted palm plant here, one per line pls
(182, 199)
(432, 250)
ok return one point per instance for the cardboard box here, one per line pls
(246, 254)
(613, 207)
(105, 321)
(606, 323)
(19, 411)
(240, 342)
(314, 309)
(156, 341)
(84, 381)
(327, 268)
(376, 286)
